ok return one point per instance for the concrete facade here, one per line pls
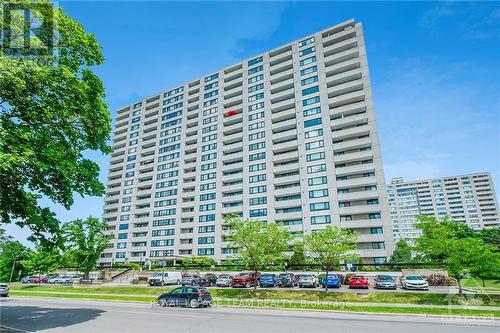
(469, 199)
(289, 135)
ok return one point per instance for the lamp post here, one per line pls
(12, 271)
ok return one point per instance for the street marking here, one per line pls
(160, 314)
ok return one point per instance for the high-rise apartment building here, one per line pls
(287, 136)
(469, 199)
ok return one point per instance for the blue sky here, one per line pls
(434, 67)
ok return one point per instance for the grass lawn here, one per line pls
(293, 295)
(477, 284)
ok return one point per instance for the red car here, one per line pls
(40, 279)
(245, 280)
(358, 281)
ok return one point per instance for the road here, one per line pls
(57, 315)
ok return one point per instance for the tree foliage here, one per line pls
(11, 251)
(196, 261)
(457, 247)
(50, 113)
(88, 241)
(259, 244)
(42, 261)
(331, 246)
(402, 253)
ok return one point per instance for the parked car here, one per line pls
(67, 279)
(358, 281)
(191, 280)
(4, 290)
(28, 279)
(40, 279)
(332, 281)
(53, 279)
(209, 279)
(287, 280)
(385, 282)
(224, 280)
(164, 278)
(268, 280)
(308, 280)
(193, 297)
(246, 279)
(416, 282)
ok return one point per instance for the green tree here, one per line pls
(490, 236)
(487, 264)
(330, 247)
(12, 253)
(402, 254)
(51, 111)
(298, 256)
(455, 246)
(89, 241)
(198, 261)
(259, 244)
(42, 261)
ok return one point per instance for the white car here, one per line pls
(416, 282)
(66, 279)
(163, 278)
(308, 280)
(4, 290)
(54, 279)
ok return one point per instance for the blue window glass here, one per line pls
(312, 122)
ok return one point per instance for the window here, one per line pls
(211, 85)
(314, 144)
(207, 218)
(309, 80)
(312, 122)
(378, 245)
(122, 236)
(162, 223)
(162, 232)
(257, 78)
(256, 87)
(210, 94)
(321, 219)
(208, 196)
(372, 202)
(309, 60)
(319, 206)
(208, 166)
(310, 90)
(206, 207)
(206, 240)
(313, 133)
(206, 228)
(315, 156)
(255, 70)
(310, 101)
(258, 201)
(255, 136)
(212, 77)
(258, 145)
(254, 61)
(306, 42)
(374, 216)
(258, 212)
(255, 116)
(376, 230)
(121, 245)
(257, 106)
(209, 138)
(257, 156)
(307, 51)
(208, 176)
(318, 193)
(256, 97)
(162, 242)
(207, 157)
(316, 168)
(317, 181)
(257, 178)
(209, 186)
(308, 70)
(257, 167)
(255, 126)
(206, 252)
(258, 189)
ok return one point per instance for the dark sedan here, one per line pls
(193, 297)
(196, 280)
(287, 280)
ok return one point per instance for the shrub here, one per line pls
(437, 279)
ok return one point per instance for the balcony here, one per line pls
(285, 146)
(353, 157)
(361, 181)
(290, 134)
(360, 195)
(361, 209)
(351, 132)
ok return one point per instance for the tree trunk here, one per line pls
(483, 282)
(256, 281)
(86, 275)
(326, 280)
(460, 292)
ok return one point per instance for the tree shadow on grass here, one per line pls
(37, 318)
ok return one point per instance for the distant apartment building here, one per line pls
(288, 136)
(469, 199)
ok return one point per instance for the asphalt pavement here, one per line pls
(57, 315)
